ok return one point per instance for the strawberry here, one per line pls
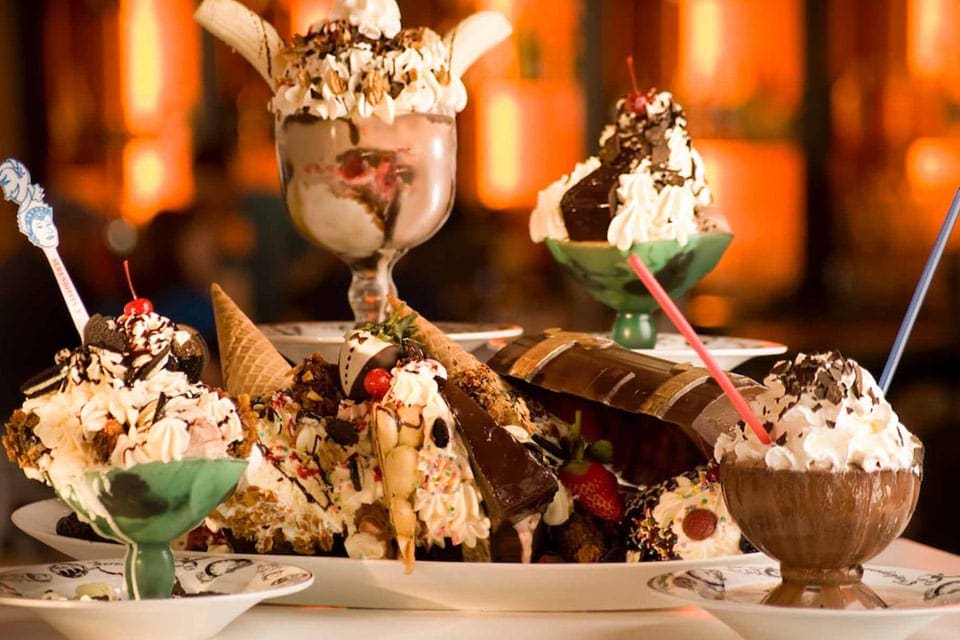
(595, 487)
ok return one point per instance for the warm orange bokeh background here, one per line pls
(830, 131)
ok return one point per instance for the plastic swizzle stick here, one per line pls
(35, 220)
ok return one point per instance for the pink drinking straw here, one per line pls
(676, 317)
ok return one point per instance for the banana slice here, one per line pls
(473, 36)
(250, 35)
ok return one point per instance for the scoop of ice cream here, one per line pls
(315, 473)
(120, 399)
(648, 183)
(358, 62)
(823, 412)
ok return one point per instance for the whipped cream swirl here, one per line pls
(660, 190)
(374, 18)
(120, 407)
(823, 412)
(359, 63)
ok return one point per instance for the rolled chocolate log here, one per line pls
(662, 416)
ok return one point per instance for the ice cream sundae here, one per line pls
(359, 63)
(365, 127)
(647, 182)
(409, 447)
(374, 456)
(836, 485)
(129, 394)
(643, 194)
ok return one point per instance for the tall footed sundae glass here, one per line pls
(645, 195)
(368, 191)
(365, 125)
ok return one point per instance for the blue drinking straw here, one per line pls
(919, 293)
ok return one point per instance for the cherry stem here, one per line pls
(126, 270)
(633, 74)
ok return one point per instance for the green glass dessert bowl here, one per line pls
(603, 269)
(148, 505)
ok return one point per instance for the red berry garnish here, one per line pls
(636, 101)
(595, 487)
(353, 166)
(713, 473)
(377, 382)
(137, 306)
(699, 524)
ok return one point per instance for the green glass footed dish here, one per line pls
(603, 269)
(148, 505)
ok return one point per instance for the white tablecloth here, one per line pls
(286, 622)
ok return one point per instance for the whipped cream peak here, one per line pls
(646, 184)
(823, 412)
(373, 18)
(128, 395)
(359, 63)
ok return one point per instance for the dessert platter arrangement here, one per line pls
(387, 466)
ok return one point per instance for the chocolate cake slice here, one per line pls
(513, 483)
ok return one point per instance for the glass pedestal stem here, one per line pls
(635, 330)
(148, 571)
(370, 285)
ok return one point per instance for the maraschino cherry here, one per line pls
(636, 101)
(137, 306)
(377, 382)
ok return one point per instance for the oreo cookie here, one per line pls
(44, 382)
(102, 331)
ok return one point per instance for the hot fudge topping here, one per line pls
(647, 183)
(128, 395)
(359, 62)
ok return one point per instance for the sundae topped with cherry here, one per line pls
(646, 182)
(129, 394)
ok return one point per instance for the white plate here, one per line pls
(732, 594)
(297, 340)
(728, 351)
(238, 587)
(381, 584)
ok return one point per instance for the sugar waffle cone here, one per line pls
(476, 379)
(438, 345)
(249, 362)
